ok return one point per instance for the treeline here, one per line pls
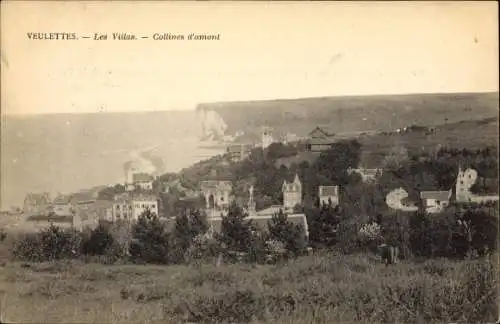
(414, 171)
(149, 241)
(459, 232)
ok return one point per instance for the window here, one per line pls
(470, 176)
(142, 206)
(461, 182)
(117, 206)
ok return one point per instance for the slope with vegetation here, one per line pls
(355, 113)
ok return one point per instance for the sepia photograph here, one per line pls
(249, 162)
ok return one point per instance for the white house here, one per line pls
(130, 208)
(327, 194)
(62, 206)
(292, 193)
(435, 201)
(143, 181)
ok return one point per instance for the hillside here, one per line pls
(470, 134)
(355, 113)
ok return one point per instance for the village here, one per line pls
(141, 191)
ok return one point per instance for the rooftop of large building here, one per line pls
(437, 195)
(142, 177)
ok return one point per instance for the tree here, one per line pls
(323, 228)
(334, 163)
(149, 239)
(109, 193)
(99, 241)
(291, 235)
(396, 158)
(236, 232)
(188, 225)
(280, 150)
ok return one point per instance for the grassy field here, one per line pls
(313, 289)
(355, 113)
(470, 134)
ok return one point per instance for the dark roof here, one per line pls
(328, 190)
(50, 218)
(215, 184)
(62, 200)
(142, 177)
(320, 132)
(438, 195)
(319, 141)
(262, 221)
(142, 197)
(83, 197)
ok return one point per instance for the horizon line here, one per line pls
(196, 105)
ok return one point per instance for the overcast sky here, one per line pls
(265, 51)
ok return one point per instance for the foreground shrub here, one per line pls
(370, 236)
(203, 247)
(188, 226)
(149, 240)
(240, 239)
(98, 241)
(291, 235)
(343, 289)
(49, 244)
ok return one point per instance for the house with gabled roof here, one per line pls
(217, 195)
(35, 203)
(62, 205)
(435, 201)
(143, 181)
(367, 175)
(238, 152)
(319, 139)
(292, 193)
(328, 194)
(129, 207)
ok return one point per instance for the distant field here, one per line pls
(356, 113)
(471, 134)
(313, 289)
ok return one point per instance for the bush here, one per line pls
(241, 237)
(370, 236)
(149, 240)
(203, 247)
(291, 235)
(324, 225)
(99, 241)
(49, 244)
(3, 235)
(188, 226)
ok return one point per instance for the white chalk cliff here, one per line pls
(212, 126)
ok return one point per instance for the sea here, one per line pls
(65, 153)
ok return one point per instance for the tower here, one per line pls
(251, 202)
(267, 138)
(292, 193)
(465, 180)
